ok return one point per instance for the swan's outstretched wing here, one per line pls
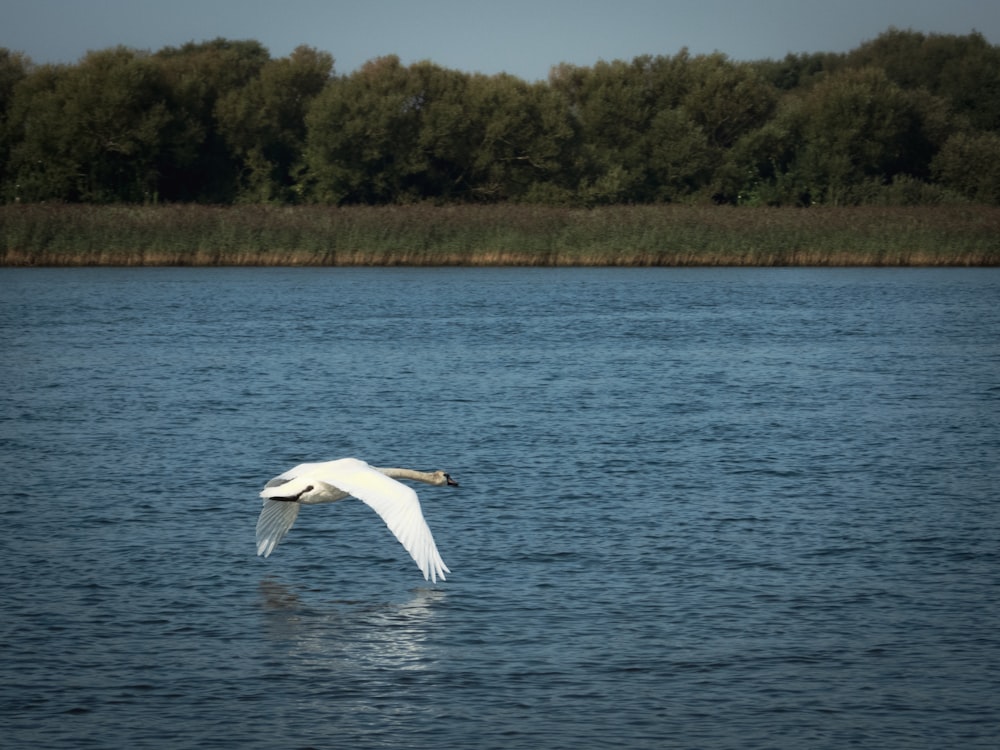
(276, 518)
(396, 503)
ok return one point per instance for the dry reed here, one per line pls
(511, 234)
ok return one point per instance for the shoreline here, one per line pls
(77, 235)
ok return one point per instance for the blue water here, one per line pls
(698, 508)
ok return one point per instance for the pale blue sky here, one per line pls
(522, 37)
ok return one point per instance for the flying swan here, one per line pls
(330, 481)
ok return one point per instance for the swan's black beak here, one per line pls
(450, 482)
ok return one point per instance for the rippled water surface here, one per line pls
(698, 508)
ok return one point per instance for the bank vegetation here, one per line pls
(506, 234)
(216, 153)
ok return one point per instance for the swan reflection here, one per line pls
(348, 634)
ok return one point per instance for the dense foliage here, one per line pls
(905, 119)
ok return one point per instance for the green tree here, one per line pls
(799, 71)
(969, 164)
(726, 99)
(443, 125)
(964, 70)
(390, 133)
(759, 169)
(519, 140)
(37, 131)
(657, 129)
(846, 136)
(899, 119)
(361, 136)
(198, 164)
(680, 158)
(13, 69)
(264, 126)
(92, 132)
(613, 104)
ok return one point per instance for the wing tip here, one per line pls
(435, 570)
(275, 521)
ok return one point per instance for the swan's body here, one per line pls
(330, 481)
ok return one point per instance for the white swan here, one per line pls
(329, 481)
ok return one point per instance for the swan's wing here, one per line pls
(292, 473)
(397, 505)
(276, 518)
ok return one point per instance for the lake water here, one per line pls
(701, 508)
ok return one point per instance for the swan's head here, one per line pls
(442, 478)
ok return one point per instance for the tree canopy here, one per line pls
(907, 118)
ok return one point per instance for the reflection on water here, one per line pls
(359, 634)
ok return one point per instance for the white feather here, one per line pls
(330, 481)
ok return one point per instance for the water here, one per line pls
(698, 508)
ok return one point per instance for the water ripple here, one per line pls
(698, 508)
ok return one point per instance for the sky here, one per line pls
(522, 37)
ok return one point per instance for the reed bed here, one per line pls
(499, 235)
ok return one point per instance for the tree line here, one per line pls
(907, 118)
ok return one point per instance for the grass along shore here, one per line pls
(525, 235)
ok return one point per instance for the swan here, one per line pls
(330, 481)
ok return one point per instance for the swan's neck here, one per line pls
(417, 476)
